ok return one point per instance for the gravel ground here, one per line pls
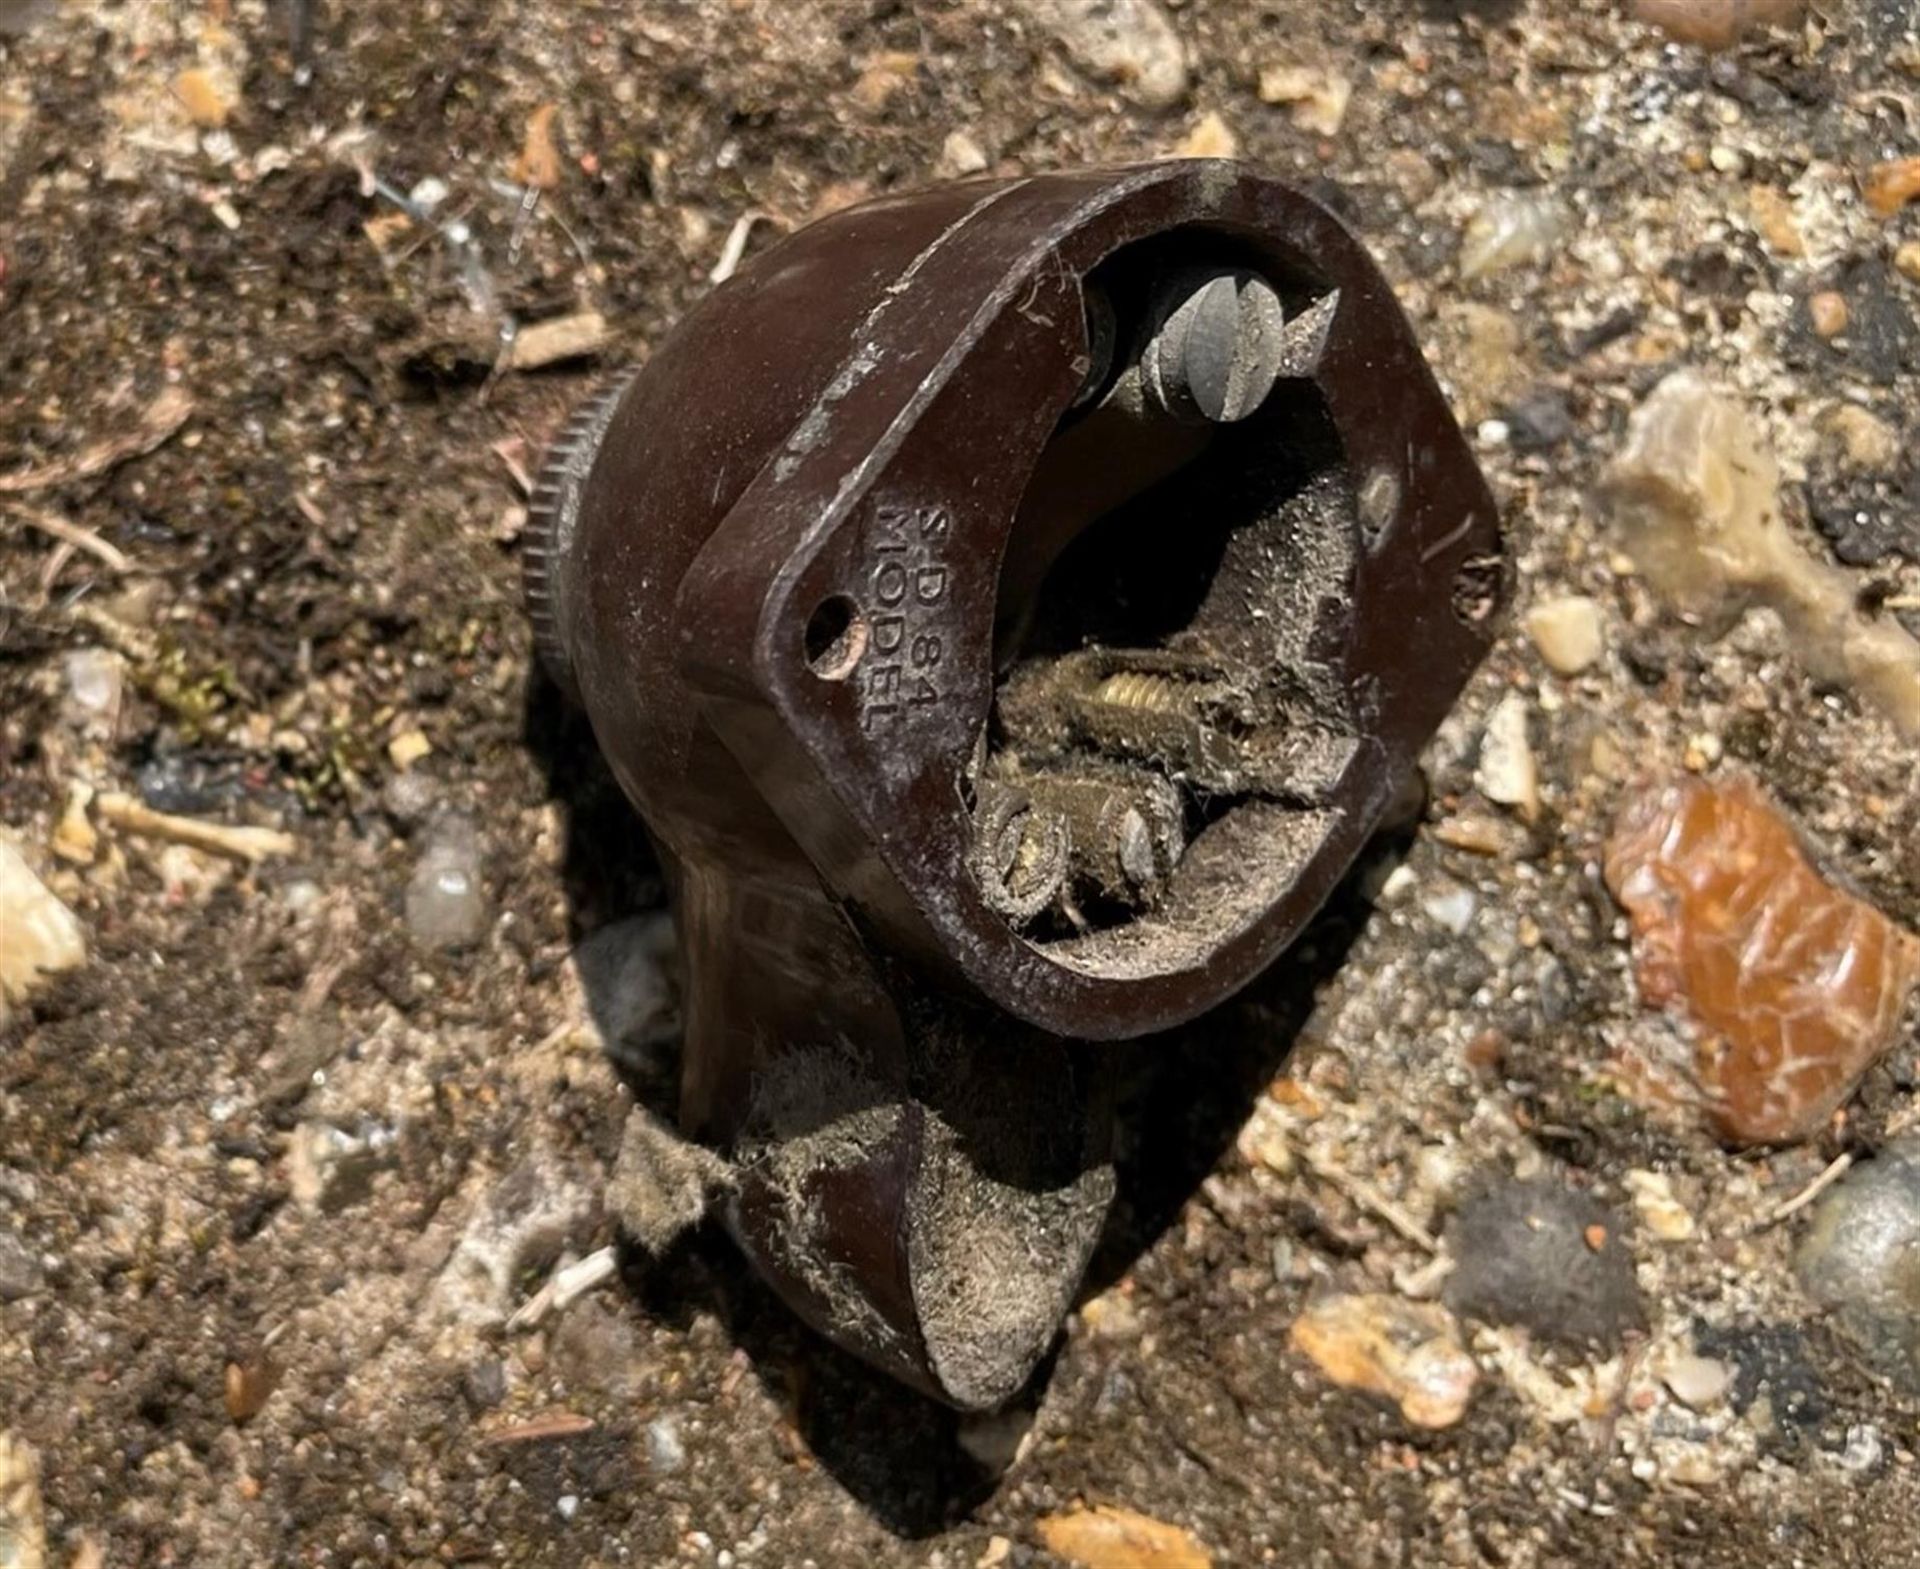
(318, 1113)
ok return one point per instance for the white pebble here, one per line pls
(666, 1453)
(1569, 633)
(1508, 773)
(1129, 42)
(39, 936)
(446, 906)
(1512, 229)
(1698, 1382)
(1451, 907)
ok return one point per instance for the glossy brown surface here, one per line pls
(886, 592)
(1795, 987)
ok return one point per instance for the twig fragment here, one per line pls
(558, 1424)
(1837, 1168)
(1370, 1199)
(732, 253)
(163, 417)
(252, 845)
(57, 527)
(563, 1287)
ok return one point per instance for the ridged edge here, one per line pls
(553, 509)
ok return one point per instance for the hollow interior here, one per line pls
(836, 638)
(1172, 690)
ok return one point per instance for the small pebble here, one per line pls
(1507, 773)
(1539, 420)
(20, 1273)
(578, 336)
(23, 1528)
(1698, 1382)
(1110, 1536)
(1410, 1352)
(1716, 24)
(1829, 314)
(1857, 1259)
(1512, 229)
(1865, 441)
(39, 936)
(1906, 260)
(248, 1387)
(1211, 137)
(1569, 633)
(961, 155)
(666, 1452)
(95, 682)
(409, 798)
(409, 747)
(1664, 1216)
(1795, 987)
(1774, 218)
(202, 98)
(1129, 42)
(1864, 1450)
(1890, 186)
(484, 1384)
(446, 904)
(1450, 907)
(427, 194)
(1317, 99)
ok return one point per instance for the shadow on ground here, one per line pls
(1182, 1097)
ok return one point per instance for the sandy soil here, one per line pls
(322, 559)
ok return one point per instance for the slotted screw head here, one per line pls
(1219, 349)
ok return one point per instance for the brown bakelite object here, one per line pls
(1012, 606)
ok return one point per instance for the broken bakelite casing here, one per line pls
(1011, 606)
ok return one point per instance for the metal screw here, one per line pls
(1220, 346)
(1133, 849)
(1020, 853)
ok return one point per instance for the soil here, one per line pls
(323, 559)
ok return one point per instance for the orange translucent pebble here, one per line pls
(1795, 986)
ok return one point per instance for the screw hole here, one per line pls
(836, 638)
(1477, 590)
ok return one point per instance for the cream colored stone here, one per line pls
(1317, 99)
(1569, 632)
(23, 1530)
(1664, 1216)
(1696, 497)
(1865, 441)
(39, 936)
(1409, 1352)
(1508, 773)
(961, 155)
(1211, 137)
(409, 747)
